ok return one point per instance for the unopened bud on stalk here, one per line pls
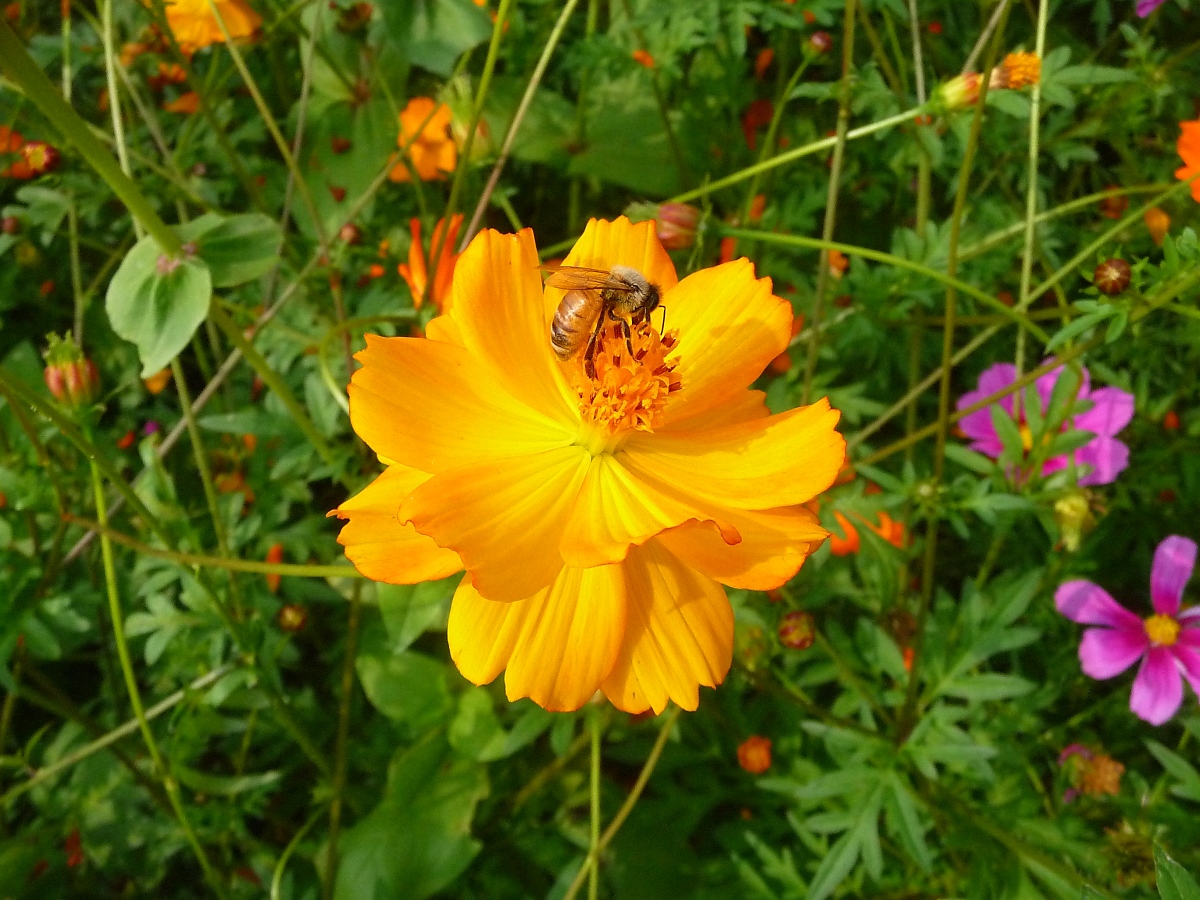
(71, 377)
(350, 233)
(676, 224)
(1112, 276)
(818, 44)
(1073, 512)
(959, 92)
(292, 617)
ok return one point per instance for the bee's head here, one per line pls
(653, 298)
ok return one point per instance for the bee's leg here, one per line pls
(625, 331)
(589, 355)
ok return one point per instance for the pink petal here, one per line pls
(1112, 412)
(1174, 560)
(978, 425)
(1045, 385)
(1158, 687)
(1145, 7)
(1089, 604)
(1054, 464)
(1107, 458)
(1105, 652)
(1189, 662)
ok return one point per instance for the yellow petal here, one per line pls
(782, 460)
(496, 301)
(379, 546)
(678, 634)
(558, 645)
(615, 510)
(730, 327)
(444, 329)
(741, 406)
(429, 405)
(503, 517)
(774, 544)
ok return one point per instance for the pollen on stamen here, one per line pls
(629, 389)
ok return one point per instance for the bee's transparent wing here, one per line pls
(578, 278)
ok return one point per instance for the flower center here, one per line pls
(629, 389)
(1162, 630)
(1026, 436)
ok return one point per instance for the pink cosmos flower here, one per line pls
(1104, 455)
(1168, 642)
(1145, 7)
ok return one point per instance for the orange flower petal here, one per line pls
(379, 546)
(496, 301)
(620, 242)
(558, 645)
(783, 460)
(744, 405)
(774, 544)
(678, 634)
(504, 517)
(430, 405)
(730, 327)
(844, 546)
(444, 329)
(615, 510)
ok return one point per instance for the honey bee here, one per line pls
(593, 296)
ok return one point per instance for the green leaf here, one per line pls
(409, 610)
(1089, 74)
(410, 688)
(988, 686)
(434, 33)
(1174, 882)
(158, 311)
(222, 785)
(476, 732)
(969, 459)
(1179, 769)
(902, 815)
(1078, 327)
(237, 249)
(417, 841)
(1007, 431)
(1011, 102)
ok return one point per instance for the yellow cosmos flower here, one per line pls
(597, 518)
(195, 27)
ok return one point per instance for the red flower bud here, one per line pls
(819, 43)
(10, 225)
(71, 378)
(40, 156)
(350, 233)
(754, 754)
(1112, 276)
(676, 224)
(1171, 420)
(797, 630)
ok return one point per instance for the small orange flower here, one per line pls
(907, 654)
(838, 263)
(728, 249)
(598, 515)
(126, 440)
(187, 104)
(416, 271)
(757, 205)
(888, 528)
(757, 114)
(376, 270)
(1157, 222)
(432, 153)
(1171, 421)
(643, 58)
(156, 382)
(195, 27)
(1017, 71)
(1101, 775)
(1188, 146)
(274, 557)
(754, 754)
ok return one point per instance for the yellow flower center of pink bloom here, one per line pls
(1162, 630)
(630, 389)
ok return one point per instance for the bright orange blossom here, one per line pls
(195, 27)
(432, 152)
(597, 519)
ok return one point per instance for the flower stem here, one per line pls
(768, 144)
(627, 807)
(594, 727)
(1031, 190)
(343, 737)
(20, 68)
(792, 155)
(135, 698)
(114, 96)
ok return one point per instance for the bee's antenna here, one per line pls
(663, 328)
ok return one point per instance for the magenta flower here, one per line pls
(1104, 455)
(1168, 642)
(1145, 7)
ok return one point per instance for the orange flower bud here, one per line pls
(71, 378)
(754, 754)
(838, 263)
(763, 61)
(156, 382)
(1171, 420)
(642, 57)
(757, 205)
(126, 440)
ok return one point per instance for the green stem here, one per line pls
(20, 68)
(131, 685)
(627, 807)
(594, 870)
(464, 159)
(768, 144)
(1035, 103)
(218, 562)
(343, 736)
(942, 429)
(796, 240)
(792, 155)
(273, 380)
